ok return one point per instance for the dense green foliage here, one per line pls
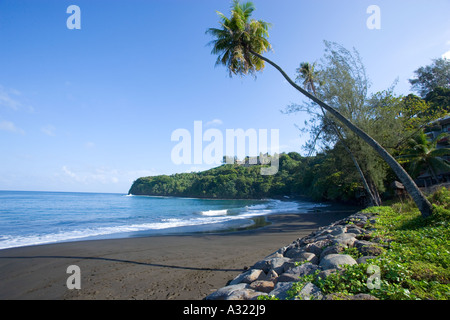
(414, 267)
(340, 80)
(226, 182)
(315, 177)
(432, 76)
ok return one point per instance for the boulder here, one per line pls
(355, 230)
(310, 292)
(294, 274)
(281, 289)
(334, 261)
(298, 254)
(364, 259)
(225, 292)
(249, 276)
(368, 248)
(334, 249)
(325, 273)
(262, 286)
(344, 240)
(270, 276)
(245, 294)
(337, 230)
(279, 265)
(316, 247)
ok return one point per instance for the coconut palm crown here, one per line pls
(239, 36)
(240, 44)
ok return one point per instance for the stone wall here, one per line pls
(320, 252)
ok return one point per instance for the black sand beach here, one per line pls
(180, 267)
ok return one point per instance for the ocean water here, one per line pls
(32, 218)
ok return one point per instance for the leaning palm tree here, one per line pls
(309, 75)
(422, 154)
(240, 43)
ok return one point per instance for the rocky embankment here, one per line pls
(320, 253)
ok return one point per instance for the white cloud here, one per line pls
(9, 98)
(92, 175)
(446, 55)
(70, 173)
(104, 175)
(214, 122)
(49, 130)
(10, 127)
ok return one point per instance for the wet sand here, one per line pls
(179, 267)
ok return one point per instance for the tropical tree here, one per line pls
(422, 154)
(431, 77)
(308, 75)
(240, 43)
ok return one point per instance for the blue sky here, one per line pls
(94, 109)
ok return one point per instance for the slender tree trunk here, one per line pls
(372, 199)
(421, 201)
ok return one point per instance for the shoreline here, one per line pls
(160, 267)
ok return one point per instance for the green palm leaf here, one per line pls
(238, 36)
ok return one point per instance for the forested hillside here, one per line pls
(297, 176)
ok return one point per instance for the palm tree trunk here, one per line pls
(421, 201)
(372, 199)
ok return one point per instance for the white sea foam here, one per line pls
(212, 213)
(209, 220)
(19, 241)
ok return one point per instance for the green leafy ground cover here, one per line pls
(415, 264)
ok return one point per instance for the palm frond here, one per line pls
(239, 36)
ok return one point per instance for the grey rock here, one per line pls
(345, 240)
(368, 248)
(337, 230)
(271, 276)
(360, 243)
(316, 247)
(277, 264)
(325, 273)
(294, 253)
(296, 273)
(334, 261)
(281, 289)
(225, 292)
(310, 292)
(245, 294)
(262, 286)
(364, 259)
(274, 255)
(327, 236)
(297, 255)
(248, 277)
(356, 230)
(334, 249)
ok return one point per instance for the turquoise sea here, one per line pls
(31, 218)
